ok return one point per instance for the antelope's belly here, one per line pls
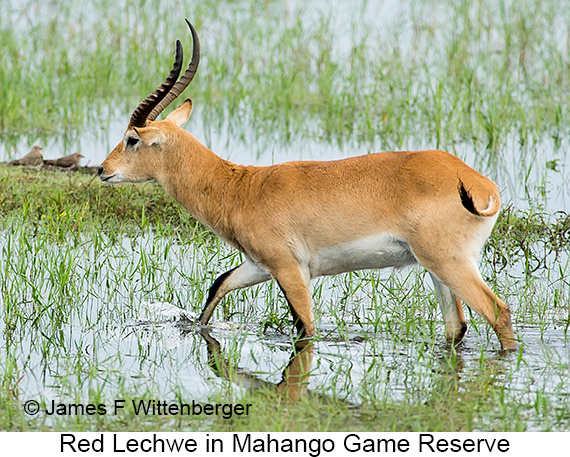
(378, 251)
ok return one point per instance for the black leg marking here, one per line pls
(209, 307)
(217, 284)
(296, 321)
(463, 330)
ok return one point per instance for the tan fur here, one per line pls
(281, 216)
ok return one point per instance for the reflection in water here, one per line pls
(295, 379)
(458, 378)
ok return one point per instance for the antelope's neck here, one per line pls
(204, 184)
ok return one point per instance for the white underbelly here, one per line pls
(377, 251)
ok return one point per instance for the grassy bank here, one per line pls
(66, 203)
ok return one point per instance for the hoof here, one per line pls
(455, 336)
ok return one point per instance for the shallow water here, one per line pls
(372, 368)
(112, 338)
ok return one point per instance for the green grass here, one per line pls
(496, 70)
(64, 203)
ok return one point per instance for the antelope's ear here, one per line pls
(181, 114)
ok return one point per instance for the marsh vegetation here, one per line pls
(99, 285)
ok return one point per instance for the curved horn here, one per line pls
(141, 113)
(184, 80)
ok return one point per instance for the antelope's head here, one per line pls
(138, 157)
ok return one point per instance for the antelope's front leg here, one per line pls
(295, 282)
(247, 274)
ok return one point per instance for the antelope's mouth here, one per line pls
(107, 178)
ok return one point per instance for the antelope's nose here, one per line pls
(101, 170)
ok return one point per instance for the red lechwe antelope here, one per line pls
(299, 220)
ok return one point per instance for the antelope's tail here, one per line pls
(474, 200)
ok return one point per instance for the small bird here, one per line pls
(68, 162)
(32, 158)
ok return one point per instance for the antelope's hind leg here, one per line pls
(452, 311)
(464, 279)
(247, 274)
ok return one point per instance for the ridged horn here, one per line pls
(184, 81)
(141, 113)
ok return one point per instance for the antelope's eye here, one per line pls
(132, 141)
